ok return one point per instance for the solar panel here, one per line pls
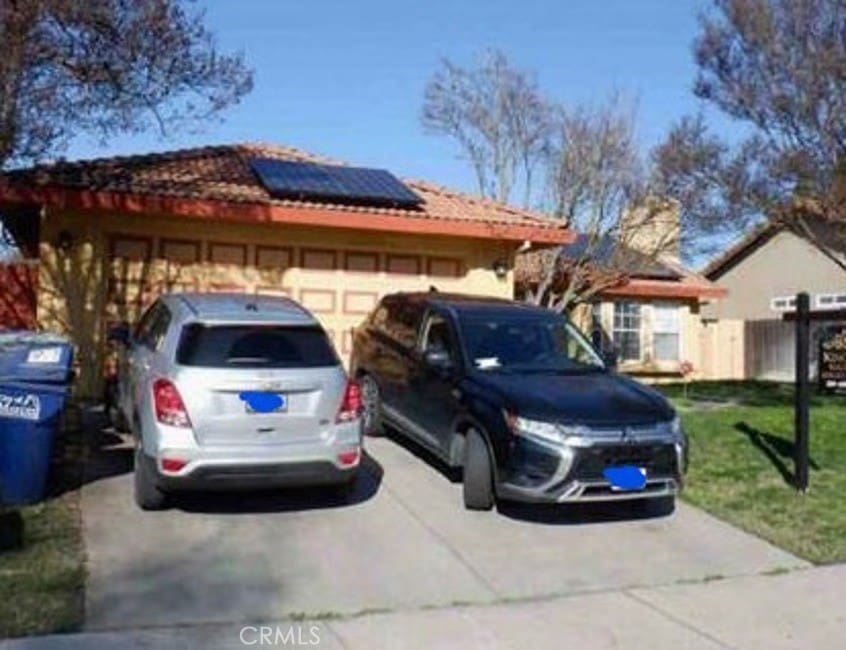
(332, 183)
(610, 253)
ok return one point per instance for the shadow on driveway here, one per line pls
(86, 450)
(554, 514)
(451, 474)
(599, 512)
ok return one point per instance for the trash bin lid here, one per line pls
(37, 357)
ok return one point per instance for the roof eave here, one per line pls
(738, 251)
(209, 209)
(635, 289)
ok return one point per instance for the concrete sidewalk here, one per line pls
(799, 609)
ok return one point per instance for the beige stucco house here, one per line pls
(109, 235)
(650, 312)
(762, 273)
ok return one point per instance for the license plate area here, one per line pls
(626, 478)
(259, 402)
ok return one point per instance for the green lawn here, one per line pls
(42, 581)
(741, 464)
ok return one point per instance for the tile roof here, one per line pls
(222, 173)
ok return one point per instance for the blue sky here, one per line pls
(345, 78)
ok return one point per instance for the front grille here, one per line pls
(658, 459)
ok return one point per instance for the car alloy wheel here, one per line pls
(371, 415)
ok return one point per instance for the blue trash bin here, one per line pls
(35, 371)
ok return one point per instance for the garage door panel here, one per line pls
(272, 290)
(274, 257)
(346, 342)
(228, 254)
(319, 301)
(404, 264)
(223, 287)
(180, 251)
(361, 262)
(319, 259)
(359, 302)
(339, 286)
(131, 249)
(445, 267)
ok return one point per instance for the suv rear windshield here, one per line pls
(254, 346)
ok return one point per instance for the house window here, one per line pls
(665, 332)
(831, 301)
(627, 330)
(783, 303)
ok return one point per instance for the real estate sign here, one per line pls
(832, 358)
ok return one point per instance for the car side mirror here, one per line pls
(438, 358)
(119, 334)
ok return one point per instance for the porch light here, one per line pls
(500, 268)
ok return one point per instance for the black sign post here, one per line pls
(832, 366)
(803, 390)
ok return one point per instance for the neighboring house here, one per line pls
(111, 234)
(651, 317)
(762, 274)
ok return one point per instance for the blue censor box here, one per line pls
(627, 478)
(263, 402)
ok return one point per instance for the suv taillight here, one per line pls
(168, 404)
(351, 405)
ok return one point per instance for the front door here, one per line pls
(432, 403)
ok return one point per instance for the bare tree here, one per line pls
(497, 116)
(779, 67)
(585, 161)
(597, 182)
(106, 66)
(721, 189)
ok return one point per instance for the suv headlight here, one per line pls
(672, 429)
(543, 431)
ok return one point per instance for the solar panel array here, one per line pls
(332, 183)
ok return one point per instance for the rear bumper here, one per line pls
(258, 475)
(326, 460)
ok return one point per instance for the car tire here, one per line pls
(371, 417)
(478, 473)
(148, 495)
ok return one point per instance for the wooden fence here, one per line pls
(18, 289)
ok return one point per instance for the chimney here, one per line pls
(653, 228)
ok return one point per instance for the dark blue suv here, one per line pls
(517, 397)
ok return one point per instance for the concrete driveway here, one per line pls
(405, 544)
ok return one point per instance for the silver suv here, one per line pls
(236, 391)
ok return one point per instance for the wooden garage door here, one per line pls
(339, 286)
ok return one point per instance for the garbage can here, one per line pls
(35, 371)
